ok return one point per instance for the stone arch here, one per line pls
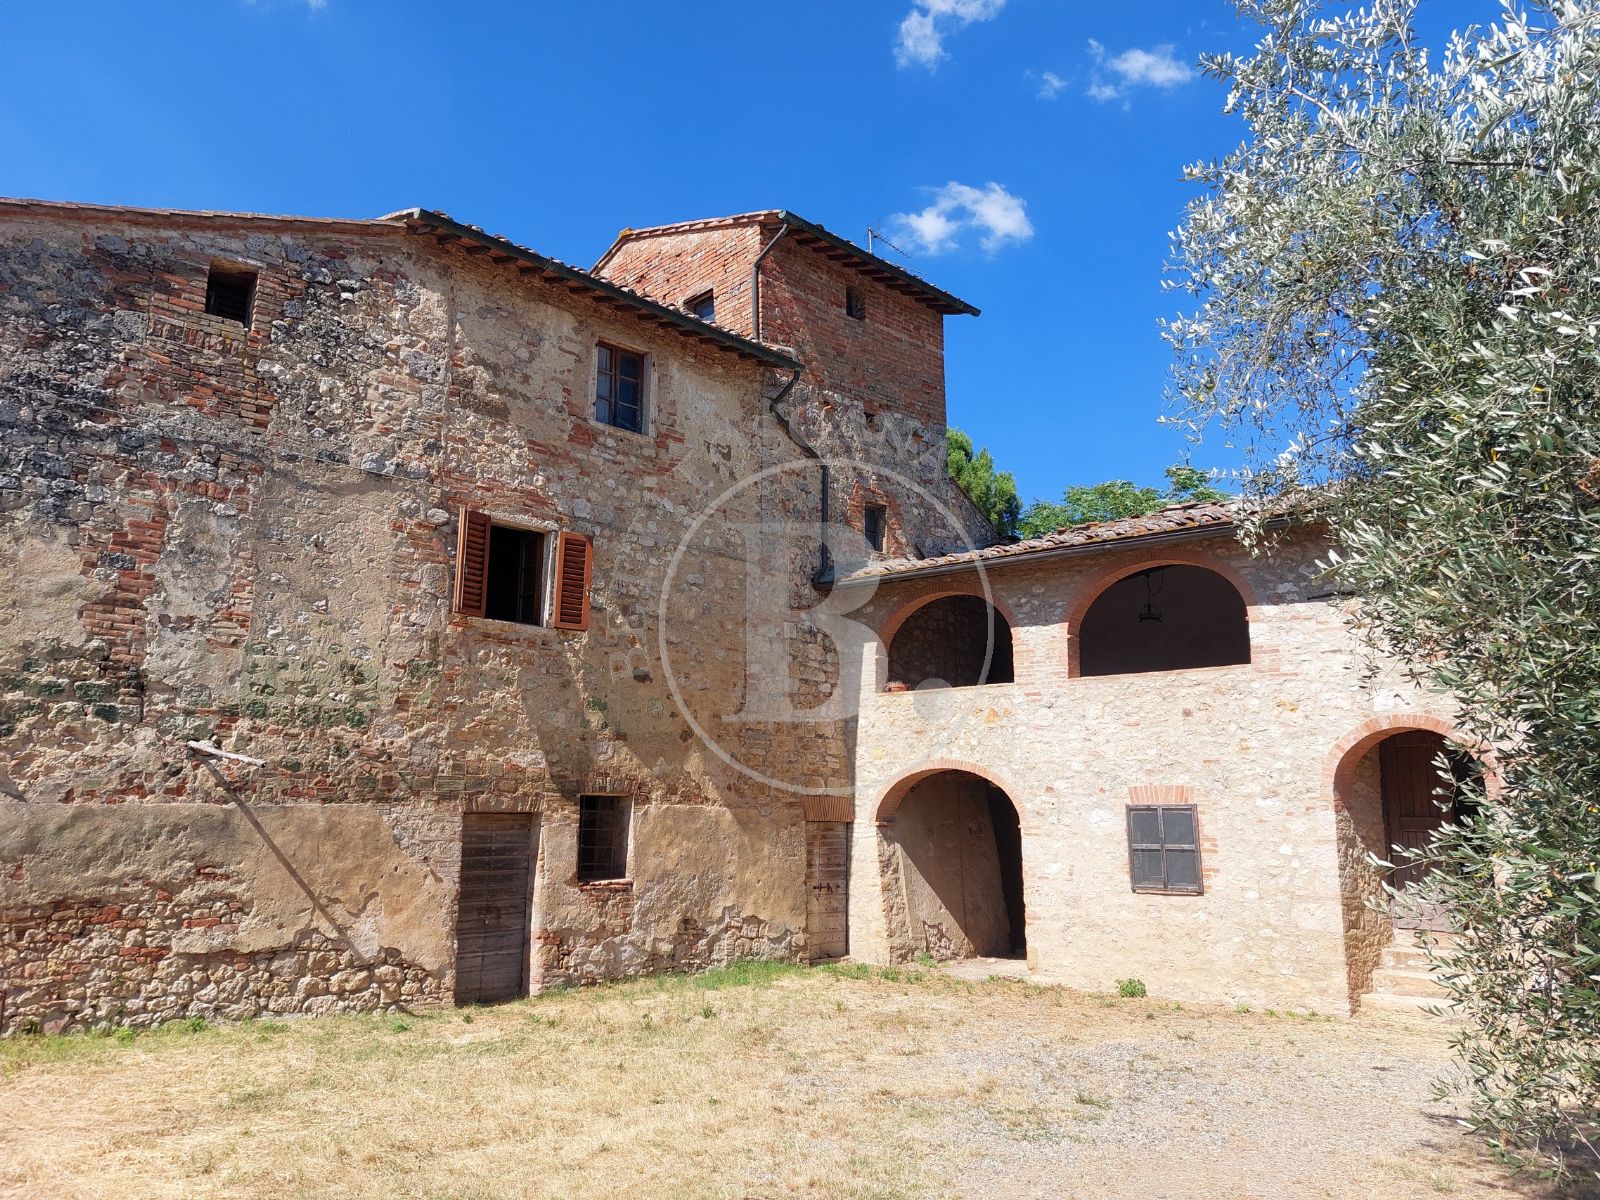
(890, 797)
(1094, 586)
(951, 867)
(897, 616)
(1356, 787)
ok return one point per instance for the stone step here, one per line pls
(1406, 982)
(1393, 1002)
(1403, 958)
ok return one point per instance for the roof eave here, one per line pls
(975, 560)
(420, 219)
(936, 297)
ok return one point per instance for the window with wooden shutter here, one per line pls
(1164, 849)
(574, 564)
(472, 563)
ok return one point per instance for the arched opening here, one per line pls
(954, 641)
(1173, 617)
(952, 870)
(1390, 798)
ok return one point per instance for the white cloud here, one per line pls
(1114, 77)
(920, 42)
(997, 216)
(1050, 85)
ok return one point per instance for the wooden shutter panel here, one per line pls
(472, 564)
(574, 565)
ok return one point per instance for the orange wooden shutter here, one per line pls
(472, 564)
(574, 563)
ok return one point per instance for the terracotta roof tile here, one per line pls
(1179, 518)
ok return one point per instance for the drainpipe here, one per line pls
(824, 574)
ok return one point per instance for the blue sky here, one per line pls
(1024, 153)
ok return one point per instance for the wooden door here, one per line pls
(492, 919)
(827, 889)
(1412, 814)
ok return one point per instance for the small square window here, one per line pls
(230, 293)
(1164, 849)
(619, 388)
(514, 581)
(603, 837)
(855, 305)
(704, 306)
(875, 521)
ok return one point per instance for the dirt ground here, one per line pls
(753, 1082)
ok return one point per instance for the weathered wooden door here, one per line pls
(1412, 814)
(827, 889)
(492, 920)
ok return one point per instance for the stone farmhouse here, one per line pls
(393, 615)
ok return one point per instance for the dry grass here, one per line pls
(752, 1082)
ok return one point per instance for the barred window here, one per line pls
(230, 292)
(1164, 849)
(603, 837)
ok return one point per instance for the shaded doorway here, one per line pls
(492, 918)
(1416, 803)
(952, 871)
(1388, 792)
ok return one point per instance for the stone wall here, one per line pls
(1250, 743)
(242, 535)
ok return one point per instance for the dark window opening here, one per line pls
(875, 520)
(515, 583)
(1172, 618)
(619, 388)
(603, 838)
(230, 293)
(954, 641)
(704, 306)
(1164, 849)
(855, 305)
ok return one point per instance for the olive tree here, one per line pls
(1394, 289)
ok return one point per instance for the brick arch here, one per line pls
(1090, 588)
(891, 796)
(940, 590)
(1347, 753)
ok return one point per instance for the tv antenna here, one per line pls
(875, 235)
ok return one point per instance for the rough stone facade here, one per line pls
(247, 535)
(1273, 752)
(251, 537)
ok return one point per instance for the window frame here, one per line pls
(470, 590)
(1164, 846)
(707, 298)
(616, 351)
(621, 819)
(855, 304)
(878, 546)
(545, 568)
(221, 274)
